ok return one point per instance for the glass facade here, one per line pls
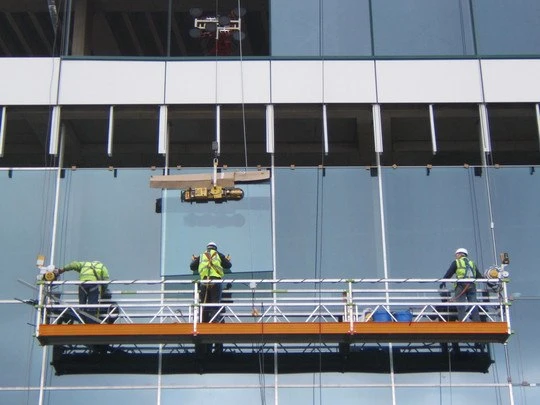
(335, 207)
(425, 216)
(272, 28)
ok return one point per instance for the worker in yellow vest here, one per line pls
(89, 292)
(464, 268)
(211, 265)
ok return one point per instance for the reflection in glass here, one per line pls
(507, 27)
(241, 229)
(422, 27)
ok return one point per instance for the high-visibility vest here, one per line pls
(210, 264)
(89, 271)
(465, 268)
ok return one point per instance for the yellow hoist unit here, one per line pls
(215, 193)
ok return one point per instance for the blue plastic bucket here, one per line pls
(403, 316)
(381, 316)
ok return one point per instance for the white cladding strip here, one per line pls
(34, 81)
(29, 81)
(511, 80)
(100, 82)
(429, 81)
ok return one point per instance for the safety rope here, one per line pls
(319, 218)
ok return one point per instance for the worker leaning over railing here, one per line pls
(462, 267)
(89, 292)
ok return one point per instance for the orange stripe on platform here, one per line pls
(276, 332)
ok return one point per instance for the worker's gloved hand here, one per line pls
(193, 257)
(228, 257)
(442, 286)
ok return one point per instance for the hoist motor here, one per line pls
(47, 273)
(215, 193)
(497, 273)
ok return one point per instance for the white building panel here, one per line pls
(191, 83)
(297, 82)
(349, 82)
(28, 81)
(509, 81)
(429, 81)
(112, 82)
(237, 82)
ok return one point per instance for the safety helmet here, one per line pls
(211, 245)
(463, 251)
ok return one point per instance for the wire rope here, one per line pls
(319, 217)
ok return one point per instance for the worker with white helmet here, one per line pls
(464, 268)
(211, 265)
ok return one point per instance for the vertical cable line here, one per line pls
(488, 190)
(319, 211)
(381, 196)
(242, 85)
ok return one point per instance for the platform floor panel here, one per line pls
(285, 332)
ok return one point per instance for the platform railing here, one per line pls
(274, 300)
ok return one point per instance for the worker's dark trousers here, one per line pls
(210, 294)
(89, 294)
(466, 292)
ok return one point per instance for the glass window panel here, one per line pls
(17, 340)
(117, 28)
(337, 212)
(480, 395)
(434, 212)
(523, 354)
(295, 28)
(514, 196)
(110, 216)
(219, 395)
(240, 228)
(346, 28)
(514, 134)
(507, 27)
(422, 27)
(194, 32)
(26, 30)
(26, 202)
(106, 396)
(347, 396)
(296, 224)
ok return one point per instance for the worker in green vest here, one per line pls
(89, 292)
(464, 268)
(211, 265)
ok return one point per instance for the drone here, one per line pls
(221, 28)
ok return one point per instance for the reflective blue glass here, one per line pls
(327, 223)
(429, 214)
(507, 27)
(422, 27)
(239, 228)
(110, 216)
(298, 26)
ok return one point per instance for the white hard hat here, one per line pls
(211, 244)
(463, 251)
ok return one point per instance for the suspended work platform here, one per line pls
(345, 322)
